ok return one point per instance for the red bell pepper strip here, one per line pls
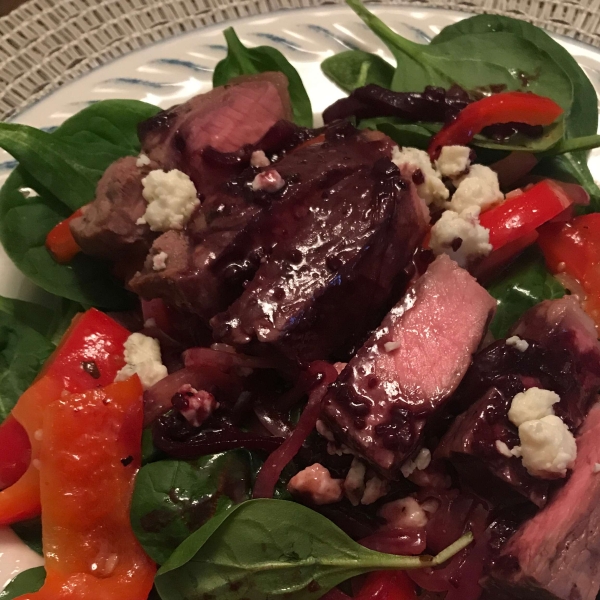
(574, 248)
(507, 107)
(520, 215)
(387, 585)
(89, 356)
(16, 452)
(91, 452)
(60, 241)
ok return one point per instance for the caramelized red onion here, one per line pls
(513, 168)
(224, 360)
(397, 541)
(323, 374)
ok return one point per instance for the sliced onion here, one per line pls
(272, 421)
(271, 470)
(403, 542)
(575, 192)
(572, 285)
(225, 360)
(513, 168)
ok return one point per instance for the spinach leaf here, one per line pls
(248, 61)
(415, 135)
(174, 498)
(354, 68)
(30, 532)
(23, 351)
(26, 582)
(266, 549)
(24, 224)
(522, 286)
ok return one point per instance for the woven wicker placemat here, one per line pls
(46, 43)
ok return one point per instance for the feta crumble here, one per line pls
(460, 236)
(268, 181)
(376, 488)
(432, 190)
(259, 159)
(547, 448)
(171, 198)
(142, 161)
(195, 405)
(420, 463)
(504, 449)
(479, 187)
(518, 343)
(404, 513)
(142, 355)
(453, 161)
(159, 261)
(391, 346)
(531, 405)
(316, 483)
(354, 484)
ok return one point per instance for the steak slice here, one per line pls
(413, 362)
(236, 227)
(556, 554)
(327, 285)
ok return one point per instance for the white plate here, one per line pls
(172, 71)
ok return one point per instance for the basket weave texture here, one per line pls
(46, 43)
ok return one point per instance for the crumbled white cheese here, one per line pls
(420, 463)
(259, 159)
(354, 484)
(376, 488)
(479, 187)
(460, 236)
(548, 448)
(518, 343)
(504, 449)
(324, 431)
(268, 181)
(404, 513)
(171, 199)
(453, 161)
(159, 261)
(391, 346)
(531, 405)
(432, 190)
(142, 355)
(316, 483)
(198, 405)
(142, 161)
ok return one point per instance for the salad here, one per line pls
(353, 360)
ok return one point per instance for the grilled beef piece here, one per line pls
(324, 287)
(555, 555)
(236, 228)
(563, 356)
(225, 119)
(107, 228)
(403, 375)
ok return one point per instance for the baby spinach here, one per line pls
(354, 68)
(63, 169)
(248, 61)
(26, 582)
(174, 498)
(267, 549)
(23, 351)
(525, 284)
(30, 532)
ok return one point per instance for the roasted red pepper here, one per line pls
(520, 215)
(574, 248)
(90, 454)
(16, 452)
(60, 241)
(89, 356)
(507, 107)
(387, 585)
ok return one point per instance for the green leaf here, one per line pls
(24, 583)
(267, 549)
(354, 68)
(23, 351)
(174, 498)
(522, 286)
(30, 532)
(24, 225)
(403, 133)
(248, 61)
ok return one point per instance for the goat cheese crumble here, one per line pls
(142, 161)
(518, 343)
(420, 463)
(259, 159)
(171, 198)
(479, 187)
(453, 161)
(316, 483)
(159, 261)
(432, 190)
(142, 355)
(531, 405)
(460, 236)
(403, 513)
(268, 181)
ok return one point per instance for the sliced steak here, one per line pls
(555, 555)
(563, 355)
(410, 366)
(107, 228)
(237, 227)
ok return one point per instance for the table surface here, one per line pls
(7, 5)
